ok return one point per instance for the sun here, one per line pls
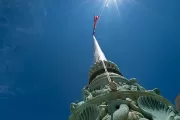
(108, 3)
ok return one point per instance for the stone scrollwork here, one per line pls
(143, 119)
(129, 102)
(133, 105)
(121, 113)
(177, 117)
(155, 109)
(126, 86)
(123, 110)
(155, 91)
(74, 106)
(90, 112)
(134, 88)
(134, 115)
(99, 92)
(103, 111)
(87, 94)
(133, 81)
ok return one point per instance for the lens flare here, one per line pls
(117, 6)
(109, 3)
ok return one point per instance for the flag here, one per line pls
(95, 21)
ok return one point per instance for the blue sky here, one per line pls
(46, 51)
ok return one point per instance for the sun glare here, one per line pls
(114, 3)
(108, 4)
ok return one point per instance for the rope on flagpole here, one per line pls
(100, 14)
(107, 73)
(112, 84)
(103, 8)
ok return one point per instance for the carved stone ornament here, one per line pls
(155, 109)
(89, 112)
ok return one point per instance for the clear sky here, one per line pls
(46, 51)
